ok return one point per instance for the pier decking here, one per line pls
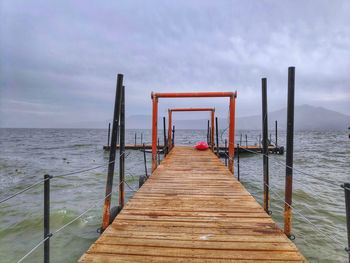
(191, 209)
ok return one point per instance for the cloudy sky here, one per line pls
(59, 60)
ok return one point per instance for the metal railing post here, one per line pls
(165, 151)
(346, 187)
(265, 149)
(109, 134)
(225, 152)
(217, 136)
(238, 173)
(47, 233)
(122, 151)
(289, 154)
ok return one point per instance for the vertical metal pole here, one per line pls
(154, 131)
(122, 152)
(209, 136)
(240, 139)
(111, 163)
(231, 134)
(173, 142)
(238, 173)
(246, 140)
(212, 131)
(276, 134)
(289, 154)
(217, 137)
(265, 146)
(47, 233)
(135, 138)
(164, 133)
(225, 150)
(346, 187)
(141, 138)
(158, 152)
(169, 129)
(109, 133)
(144, 159)
(208, 133)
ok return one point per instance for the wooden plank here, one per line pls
(192, 210)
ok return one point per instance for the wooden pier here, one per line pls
(191, 209)
(250, 148)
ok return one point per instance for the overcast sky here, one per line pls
(59, 60)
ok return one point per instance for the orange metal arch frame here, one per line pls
(170, 122)
(156, 96)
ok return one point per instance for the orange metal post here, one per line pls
(170, 126)
(231, 147)
(212, 130)
(154, 132)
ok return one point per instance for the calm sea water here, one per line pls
(27, 154)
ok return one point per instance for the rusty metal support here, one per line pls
(154, 131)
(122, 152)
(289, 154)
(155, 96)
(194, 94)
(231, 147)
(111, 164)
(265, 150)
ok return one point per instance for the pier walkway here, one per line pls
(191, 209)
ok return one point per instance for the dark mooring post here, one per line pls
(158, 151)
(217, 137)
(173, 138)
(240, 139)
(109, 134)
(238, 174)
(165, 150)
(289, 154)
(346, 187)
(144, 159)
(246, 140)
(47, 233)
(225, 151)
(141, 138)
(276, 133)
(265, 145)
(208, 133)
(111, 163)
(135, 138)
(122, 152)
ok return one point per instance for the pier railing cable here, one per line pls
(306, 219)
(54, 176)
(76, 218)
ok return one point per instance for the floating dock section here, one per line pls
(192, 209)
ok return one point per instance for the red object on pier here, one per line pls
(202, 146)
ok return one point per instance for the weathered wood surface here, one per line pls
(192, 210)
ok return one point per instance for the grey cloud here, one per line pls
(67, 53)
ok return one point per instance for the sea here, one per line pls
(321, 166)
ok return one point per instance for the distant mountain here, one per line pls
(306, 118)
